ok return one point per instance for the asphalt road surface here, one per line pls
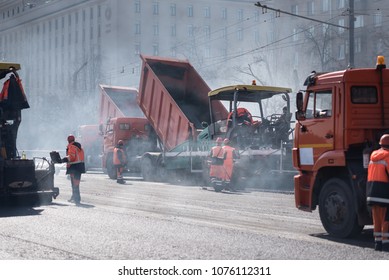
(143, 221)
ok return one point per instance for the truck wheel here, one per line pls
(337, 209)
(148, 169)
(111, 170)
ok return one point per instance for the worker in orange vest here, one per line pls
(378, 192)
(75, 166)
(216, 155)
(229, 155)
(119, 161)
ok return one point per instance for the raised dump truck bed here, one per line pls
(174, 98)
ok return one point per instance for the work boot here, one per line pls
(72, 197)
(378, 246)
(385, 247)
(120, 181)
(77, 196)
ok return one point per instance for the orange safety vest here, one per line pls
(17, 90)
(377, 189)
(377, 192)
(119, 156)
(228, 165)
(216, 168)
(75, 155)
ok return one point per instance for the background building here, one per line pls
(67, 47)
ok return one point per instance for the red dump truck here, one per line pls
(121, 119)
(188, 117)
(341, 117)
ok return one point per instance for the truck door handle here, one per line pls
(328, 136)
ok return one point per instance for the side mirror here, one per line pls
(300, 114)
(299, 101)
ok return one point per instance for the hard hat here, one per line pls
(226, 141)
(71, 138)
(219, 140)
(120, 143)
(384, 141)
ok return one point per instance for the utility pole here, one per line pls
(350, 27)
(351, 34)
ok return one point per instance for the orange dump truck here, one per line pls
(174, 99)
(340, 119)
(122, 119)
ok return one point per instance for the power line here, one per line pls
(279, 12)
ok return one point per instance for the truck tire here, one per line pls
(111, 170)
(148, 169)
(337, 209)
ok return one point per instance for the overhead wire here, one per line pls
(222, 58)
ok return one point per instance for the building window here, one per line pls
(295, 10)
(173, 30)
(137, 28)
(358, 45)
(341, 23)
(240, 34)
(341, 52)
(240, 14)
(295, 36)
(256, 16)
(207, 52)
(377, 19)
(224, 30)
(207, 12)
(156, 29)
(173, 9)
(326, 5)
(137, 49)
(341, 4)
(155, 8)
(155, 49)
(270, 37)
(224, 13)
(190, 31)
(190, 11)
(358, 21)
(137, 7)
(207, 30)
(311, 8)
(257, 36)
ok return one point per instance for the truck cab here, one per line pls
(340, 118)
(138, 138)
